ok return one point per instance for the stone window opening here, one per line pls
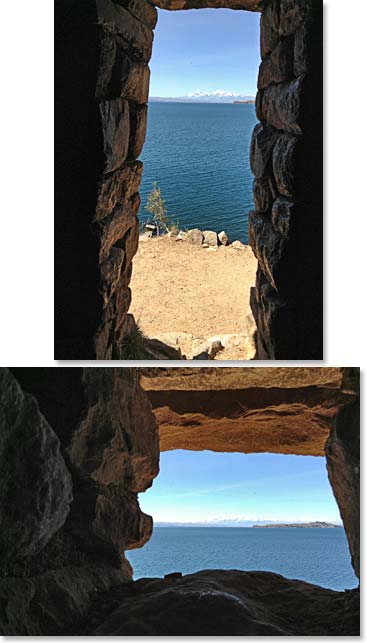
(297, 553)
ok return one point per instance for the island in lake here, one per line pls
(244, 102)
(301, 525)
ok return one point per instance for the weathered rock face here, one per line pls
(105, 49)
(286, 158)
(246, 410)
(225, 603)
(35, 485)
(116, 444)
(342, 457)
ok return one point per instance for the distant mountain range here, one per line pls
(217, 96)
(230, 522)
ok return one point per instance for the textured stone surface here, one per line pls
(285, 164)
(35, 485)
(343, 464)
(134, 34)
(118, 187)
(117, 445)
(226, 603)
(141, 9)
(270, 248)
(262, 143)
(40, 606)
(138, 131)
(229, 378)
(281, 410)
(278, 66)
(282, 214)
(263, 196)
(116, 131)
(210, 237)
(195, 236)
(281, 106)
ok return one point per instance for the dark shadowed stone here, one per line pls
(284, 164)
(343, 465)
(278, 66)
(269, 247)
(281, 215)
(262, 143)
(141, 9)
(263, 197)
(291, 15)
(135, 35)
(301, 50)
(118, 187)
(281, 104)
(35, 485)
(269, 30)
(138, 130)
(111, 272)
(228, 603)
(116, 132)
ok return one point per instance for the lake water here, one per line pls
(199, 156)
(319, 556)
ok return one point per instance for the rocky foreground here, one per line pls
(221, 603)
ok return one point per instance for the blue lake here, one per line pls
(199, 156)
(319, 556)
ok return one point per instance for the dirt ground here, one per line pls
(179, 288)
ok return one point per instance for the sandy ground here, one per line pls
(178, 288)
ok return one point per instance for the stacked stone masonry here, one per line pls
(285, 228)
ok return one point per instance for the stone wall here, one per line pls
(103, 51)
(285, 228)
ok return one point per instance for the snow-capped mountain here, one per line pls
(216, 96)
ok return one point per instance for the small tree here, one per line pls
(157, 207)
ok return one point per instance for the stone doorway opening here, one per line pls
(191, 286)
(205, 505)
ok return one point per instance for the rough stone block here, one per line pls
(281, 106)
(278, 66)
(285, 164)
(282, 214)
(141, 9)
(269, 247)
(210, 238)
(195, 237)
(117, 188)
(118, 75)
(262, 143)
(116, 132)
(135, 35)
(269, 30)
(138, 129)
(292, 13)
(111, 272)
(263, 197)
(113, 232)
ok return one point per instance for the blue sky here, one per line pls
(205, 50)
(198, 486)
